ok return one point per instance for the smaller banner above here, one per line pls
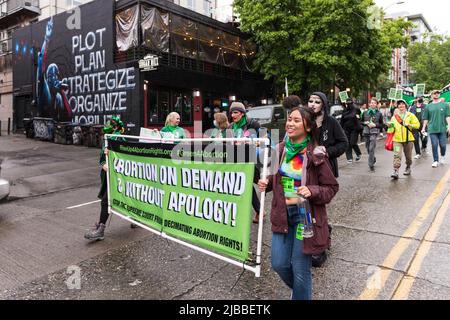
(392, 92)
(343, 95)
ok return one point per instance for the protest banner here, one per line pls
(392, 94)
(201, 196)
(398, 94)
(420, 89)
(343, 95)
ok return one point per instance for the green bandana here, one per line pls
(240, 123)
(294, 148)
(371, 112)
(169, 128)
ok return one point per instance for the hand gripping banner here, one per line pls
(195, 192)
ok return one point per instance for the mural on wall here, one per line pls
(75, 78)
(51, 92)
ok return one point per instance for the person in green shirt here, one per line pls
(172, 130)
(436, 118)
(114, 126)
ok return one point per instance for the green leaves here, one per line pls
(430, 63)
(315, 43)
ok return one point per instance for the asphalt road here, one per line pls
(390, 240)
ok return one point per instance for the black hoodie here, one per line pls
(331, 135)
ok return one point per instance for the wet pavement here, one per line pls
(379, 237)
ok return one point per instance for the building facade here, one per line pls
(140, 60)
(400, 71)
(16, 14)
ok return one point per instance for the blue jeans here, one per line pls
(441, 139)
(288, 260)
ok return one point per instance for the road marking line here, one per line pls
(402, 244)
(404, 288)
(83, 204)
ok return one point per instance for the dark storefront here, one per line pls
(137, 59)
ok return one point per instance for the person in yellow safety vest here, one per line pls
(402, 124)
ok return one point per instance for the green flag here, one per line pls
(445, 93)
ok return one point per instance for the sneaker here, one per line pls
(319, 259)
(442, 160)
(98, 233)
(372, 168)
(350, 161)
(407, 171)
(358, 158)
(417, 156)
(394, 174)
(435, 164)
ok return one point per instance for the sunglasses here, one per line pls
(315, 101)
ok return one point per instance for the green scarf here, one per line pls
(292, 149)
(240, 123)
(169, 128)
(371, 112)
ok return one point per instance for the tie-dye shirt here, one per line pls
(291, 175)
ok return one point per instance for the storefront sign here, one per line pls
(149, 63)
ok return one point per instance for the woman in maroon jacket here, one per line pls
(300, 158)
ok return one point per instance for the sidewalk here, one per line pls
(35, 167)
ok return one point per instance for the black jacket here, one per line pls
(331, 136)
(349, 120)
(377, 119)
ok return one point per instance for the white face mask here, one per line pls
(215, 124)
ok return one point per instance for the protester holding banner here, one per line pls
(372, 120)
(350, 122)
(304, 171)
(220, 126)
(172, 130)
(333, 138)
(436, 118)
(244, 127)
(403, 122)
(417, 109)
(114, 126)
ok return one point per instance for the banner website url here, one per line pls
(174, 152)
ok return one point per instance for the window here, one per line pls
(182, 102)
(162, 101)
(3, 6)
(207, 7)
(191, 4)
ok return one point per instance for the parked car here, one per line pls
(272, 117)
(336, 111)
(4, 188)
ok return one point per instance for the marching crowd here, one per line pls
(306, 169)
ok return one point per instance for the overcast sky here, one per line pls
(435, 12)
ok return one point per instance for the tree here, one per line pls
(430, 63)
(318, 43)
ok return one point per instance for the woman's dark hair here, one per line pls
(291, 102)
(309, 121)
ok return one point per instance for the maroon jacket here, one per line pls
(323, 186)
